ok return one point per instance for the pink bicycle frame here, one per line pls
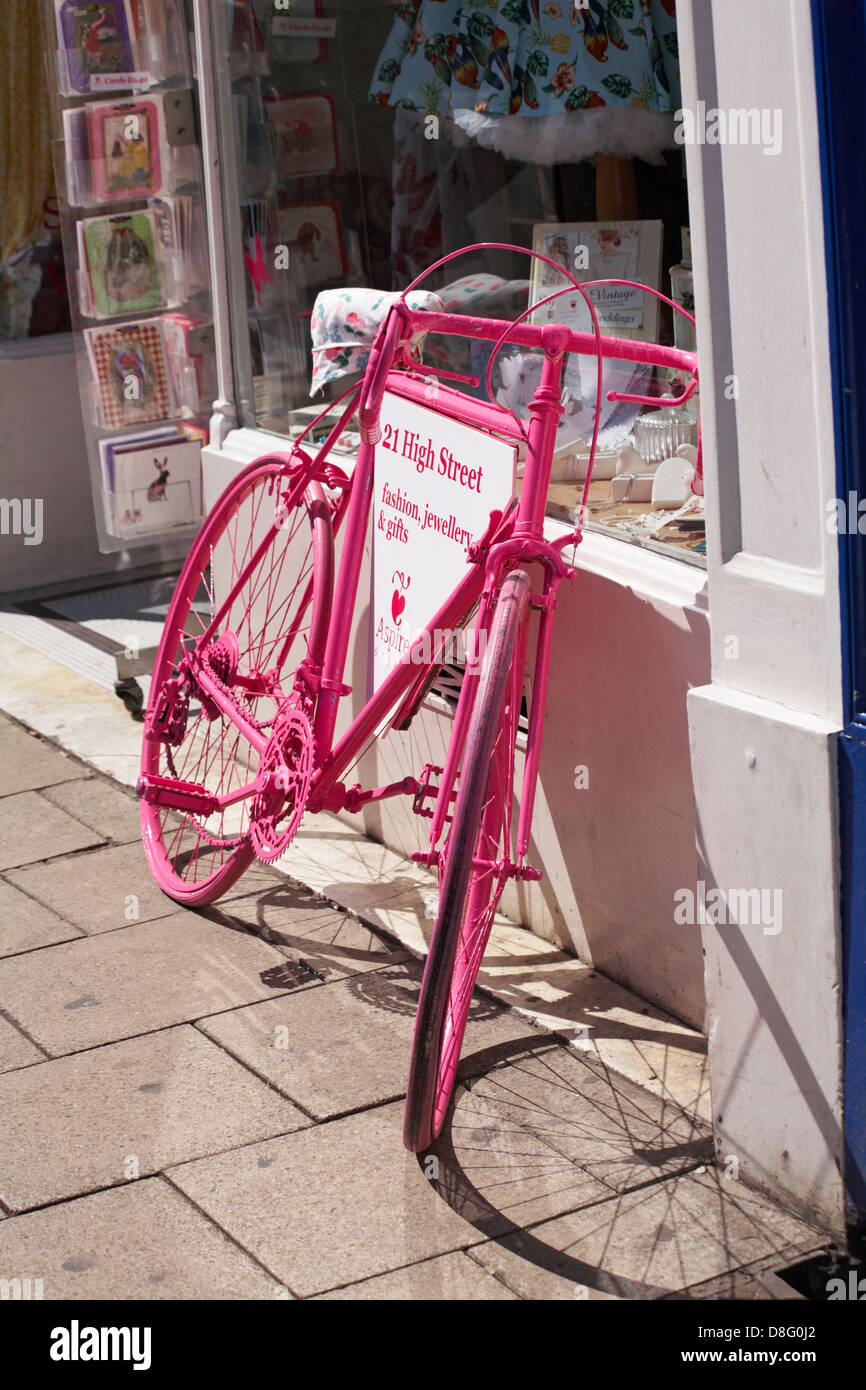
(514, 536)
(510, 539)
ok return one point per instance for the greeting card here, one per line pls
(130, 372)
(77, 154)
(304, 32)
(126, 140)
(96, 37)
(313, 233)
(305, 134)
(122, 260)
(152, 480)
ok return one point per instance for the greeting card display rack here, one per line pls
(130, 187)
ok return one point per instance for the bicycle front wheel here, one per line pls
(279, 616)
(475, 852)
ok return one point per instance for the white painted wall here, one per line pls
(763, 745)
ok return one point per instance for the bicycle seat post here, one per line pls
(545, 410)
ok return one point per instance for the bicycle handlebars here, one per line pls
(382, 355)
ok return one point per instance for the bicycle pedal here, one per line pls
(175, 795)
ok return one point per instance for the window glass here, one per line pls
(374, 137)
(33, 298)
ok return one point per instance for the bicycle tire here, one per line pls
(193, 861)
(469, 894)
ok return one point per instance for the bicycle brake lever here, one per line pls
(656, 400)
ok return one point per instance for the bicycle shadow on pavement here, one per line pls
(558, 1165)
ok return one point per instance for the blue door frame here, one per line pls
(839, 35)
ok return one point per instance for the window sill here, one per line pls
(653, 572)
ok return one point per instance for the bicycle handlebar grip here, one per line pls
(381, 359)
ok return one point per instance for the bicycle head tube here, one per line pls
(381, 360)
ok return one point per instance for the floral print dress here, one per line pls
(541, 80)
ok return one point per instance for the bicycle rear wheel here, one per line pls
(474, 875)
(279, 616)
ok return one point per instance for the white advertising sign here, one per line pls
(436, 482)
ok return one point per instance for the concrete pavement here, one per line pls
(208, 1104)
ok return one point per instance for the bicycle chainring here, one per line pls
(284, 779)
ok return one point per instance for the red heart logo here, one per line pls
(398, 603)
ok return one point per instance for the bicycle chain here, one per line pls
(242, 705)
(240, 702)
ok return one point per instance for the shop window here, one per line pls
(33, 297)
(374, 137)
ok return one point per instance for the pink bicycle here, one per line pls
(239, 737)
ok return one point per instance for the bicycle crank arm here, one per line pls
(176, 795)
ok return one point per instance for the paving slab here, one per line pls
(348, 1044)
(599, 1017)
(757, 1282)
(559, 993)
(647, 1243)
(62, 704)
(146, 976)
(106, 809)
(330, 1205)
(359, 874)
(16, 1050)
(26, 763)
(100, 1118)
(448, 1278)
(25, 924)
(334, 857)
(32, 829)
(624, 1136)
(102, 890)
(259, 879)
(140, 1241)
(334, 944)
(502, 1178)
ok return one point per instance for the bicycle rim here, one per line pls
(479, 841)
(278, 617)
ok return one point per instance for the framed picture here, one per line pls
(305, 134)
(593, 251)
(601, 251)
(313, 233)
